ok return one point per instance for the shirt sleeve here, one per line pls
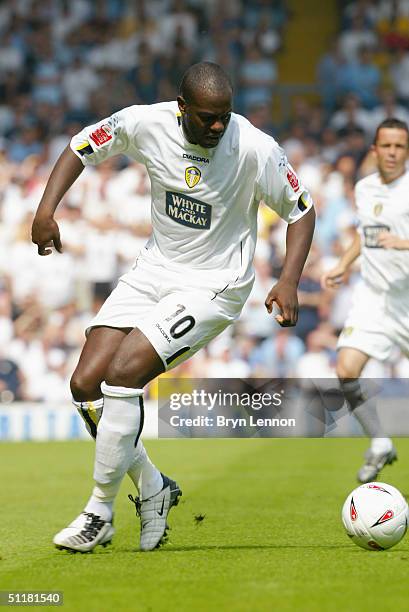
(115, 135)
(279, 186)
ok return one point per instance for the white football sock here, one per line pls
(368, 417)
(145, 476)
(379, 446)
(118, 434)
(98, 502)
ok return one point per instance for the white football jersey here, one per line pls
(204, 201)
(383, 207)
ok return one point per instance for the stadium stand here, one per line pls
(65, 64)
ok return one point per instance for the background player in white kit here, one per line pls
(209, 169)
(379, 317)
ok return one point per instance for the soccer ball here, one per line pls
(375, 516)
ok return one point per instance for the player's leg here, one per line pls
(350, 364)
(366, 334)
(99, 349)
(134, 364)
(98, 352)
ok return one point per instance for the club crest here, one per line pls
(377, 209)
(192, 176)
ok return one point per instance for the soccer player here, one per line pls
(379, 317)
(209, 169)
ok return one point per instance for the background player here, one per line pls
(209, 169)
(379, 317)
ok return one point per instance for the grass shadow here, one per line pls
(215, 547)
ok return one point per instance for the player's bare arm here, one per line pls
(45, 232)
(335, 277)
(386, 240)
(284, 293)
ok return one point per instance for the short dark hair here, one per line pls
(392, 122)
(207, 77)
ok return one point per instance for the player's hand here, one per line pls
(284, 294)
(46, 234)
(386, 240)
(333, 278)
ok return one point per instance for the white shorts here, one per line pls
(178, 310)
(377, 322)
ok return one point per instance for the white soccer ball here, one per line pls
(375, 516)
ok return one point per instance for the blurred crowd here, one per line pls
(65, 63)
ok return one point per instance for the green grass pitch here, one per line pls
(271, 537)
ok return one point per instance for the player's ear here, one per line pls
(182, 104)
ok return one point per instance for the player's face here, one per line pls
(391, 150)
(205, 118)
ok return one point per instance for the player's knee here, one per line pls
(346, 370)
(84, 388)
